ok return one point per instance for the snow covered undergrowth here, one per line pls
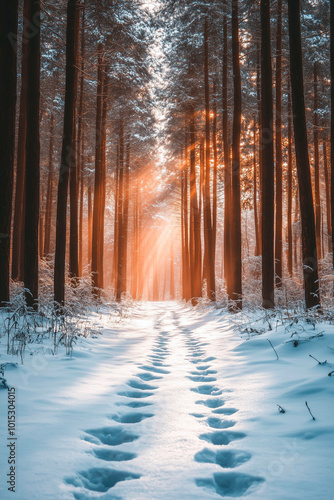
(174, 403)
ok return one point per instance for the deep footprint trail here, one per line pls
(173, 434)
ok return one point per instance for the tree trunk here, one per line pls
(309, 246)
(120, 288)
(103, 165)
(227, 165)
(8, 71)
(316, 161)
(48, 210)
(236, 259)
(135, 244)
(259, 106)
(18, 229)
(328, 201)
(89, 222)
(67, 159)
(195, 254)
(32, 168)
(215, 172)
(208, 228)
(115, 253)
(279, 161)
(185, 219)
(255, 202)
(98, 184)
(171, 274)
(74, 174)
(81, 146)
(126, 212)
(268, 191)
(289, 188)
(332, 119)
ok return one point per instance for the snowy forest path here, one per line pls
(162, 415)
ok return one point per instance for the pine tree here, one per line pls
(8, 71)
(309, 247)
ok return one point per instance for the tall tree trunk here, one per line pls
(120, 288)
(171, 273)
(227, 166)
(332, 119)
(259, 106)
(215, 172)
(208, 228)
(40, 230)
(115, 252)
(236, 259)
(155, 273)
(289, 187)
(255, 202)
(48, 210)
(328, 201)
(32, 168)
(8, 71)
(268, 191)
(126, 212)
(140, 249)
(89, 222)
(104, 176)
(98, 184)
(81, 145)
(279, 161)
(81, 196)
(195, 254)
(67, 157)
(135, 243)
(202, 197)
(309, 246)
(74, 174)
(186, 288)
(18, 229)
(316, 160)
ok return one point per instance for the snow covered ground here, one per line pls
(173, 403)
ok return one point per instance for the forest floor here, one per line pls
(173, 403)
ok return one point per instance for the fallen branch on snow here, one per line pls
(281, 409)
(273, 348)
(307, 406)
(320, 362)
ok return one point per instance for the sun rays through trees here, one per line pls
(168, 150)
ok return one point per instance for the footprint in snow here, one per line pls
(202, 378)
(113, 455)
(154, 369)
(212, 403)
(204, 372)
(99, 479)
(137, 384)
(131, 418)
(225, 411)
(219, 438)
(231, 484)
(135, 404)
(135, 394)
(203, 367)
(111, 436)
(155, 357)
(210, 390)
(228, 459)
(148, 377)
(158, 363)
(200, 360)
(218, 423)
